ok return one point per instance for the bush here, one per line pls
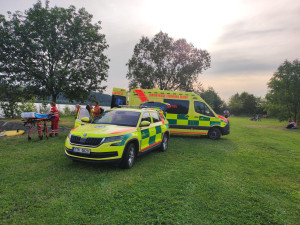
(10, 109)
(67, 111)
(27, 106)
(44, 108)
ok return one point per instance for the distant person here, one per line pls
(97, 110)
(77, 110)
(291, 125)
(54, 120)
(88, 108)
(226, 113)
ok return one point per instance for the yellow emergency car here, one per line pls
(118, 135)
(188, 113)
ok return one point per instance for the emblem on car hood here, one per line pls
(84, 135)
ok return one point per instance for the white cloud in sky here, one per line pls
(247, 39)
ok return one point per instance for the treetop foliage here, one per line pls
(245, 104)
(283, 97)
(52, 51)
(165, 63)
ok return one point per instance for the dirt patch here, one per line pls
(6, 125)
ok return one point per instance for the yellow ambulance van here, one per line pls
(188, 113)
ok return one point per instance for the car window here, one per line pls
(155, 117)
(178, 106)
(146, 117)
(121, 118)
(83, 113)
(201, 108)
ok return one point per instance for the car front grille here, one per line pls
(92, 142)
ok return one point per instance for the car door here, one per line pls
(202, 114)
(82, 113)
(146, 131)
(178, 113)
(156, 128)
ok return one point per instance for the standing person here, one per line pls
(54, 120)
(77, 110)
(88, 108)
(97, 110)
(91, 111)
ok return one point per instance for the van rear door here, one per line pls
(119, 97)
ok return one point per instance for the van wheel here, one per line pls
(214, 133)
(129, 156)
(164, 144)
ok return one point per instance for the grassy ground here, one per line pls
(248, 177)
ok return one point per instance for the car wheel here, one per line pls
(214, 133)
(164, 143)
(129, 156)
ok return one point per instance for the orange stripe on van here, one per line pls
(141, 95)
(182, 132)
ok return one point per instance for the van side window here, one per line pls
(178, 106)
(155, 117)
(201, 108)
(146, 117)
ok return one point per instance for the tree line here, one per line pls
(50, 52)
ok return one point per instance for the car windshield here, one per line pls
(121, 118)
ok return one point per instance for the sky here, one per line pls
(247, 39)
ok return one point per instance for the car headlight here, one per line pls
(113, 139)
(69, 136)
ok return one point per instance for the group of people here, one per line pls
(291, 125)
(94, 112)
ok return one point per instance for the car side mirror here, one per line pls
(145, 123)
(85, 119)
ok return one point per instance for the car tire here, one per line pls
(214, 133)
(164, 143)
(129, 156)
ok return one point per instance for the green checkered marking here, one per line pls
(152, 140)
(171, 121)
(182, 117)
(204, 118)
(193, 122)
(212, 123)
(125, 139)
(158, 129)
(145, 133)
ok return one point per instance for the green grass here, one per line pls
(248, 177)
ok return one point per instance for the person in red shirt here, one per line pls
(77, 110)
(54, 120)
(97, 110)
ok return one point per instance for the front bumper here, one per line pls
(226, 129)
(102, 153)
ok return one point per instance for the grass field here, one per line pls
(248, 177)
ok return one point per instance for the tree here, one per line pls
(245, 104)
(211, 97)
(165, 63)
(283, 97)
(53, 51)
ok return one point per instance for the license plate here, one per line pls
(82, 150)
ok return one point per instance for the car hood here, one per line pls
(102, 130)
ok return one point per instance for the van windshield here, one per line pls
(120, 118)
